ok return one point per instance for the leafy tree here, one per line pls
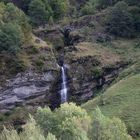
(38, 13)
(60, 8)
(30, 132)
(88, 8)
(135, 11)
(66, 123)
(120, 21)
(104, 128)
(11, 38)
(14, 15)
(69, 122)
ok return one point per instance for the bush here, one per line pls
(120, 22)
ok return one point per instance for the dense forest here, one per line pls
(69, 69)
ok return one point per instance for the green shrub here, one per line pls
(97, 72)
(120, 21)
(39, 62)
(32, 50)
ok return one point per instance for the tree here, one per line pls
(120, 21)
(69, 122)
(104, 128)
(14, 15)
(31, 131)
(11, 38)
(135, 11)
(38, 13)
(60, 8)
(88, 8)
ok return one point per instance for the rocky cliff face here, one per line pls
(90, 68)
(28, 88)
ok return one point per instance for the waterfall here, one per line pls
(63, 85)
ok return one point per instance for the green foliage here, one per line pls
(51, 137)
(60, 8)
(10, 38)
(102, 4)
(66, 123)
(39, 62)
(104, 128)
(120, 21)
(91, 6)
(135, 11)
(69, 122)
(30, 132)
(38, 13)
(133, 2)
(14, 28)
(97, 72)
(88, 8)
(45, 11)
(14, 15)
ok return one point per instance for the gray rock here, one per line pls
(24, 88)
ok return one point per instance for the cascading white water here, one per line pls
(64, 89)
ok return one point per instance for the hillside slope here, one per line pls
(121, 100)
